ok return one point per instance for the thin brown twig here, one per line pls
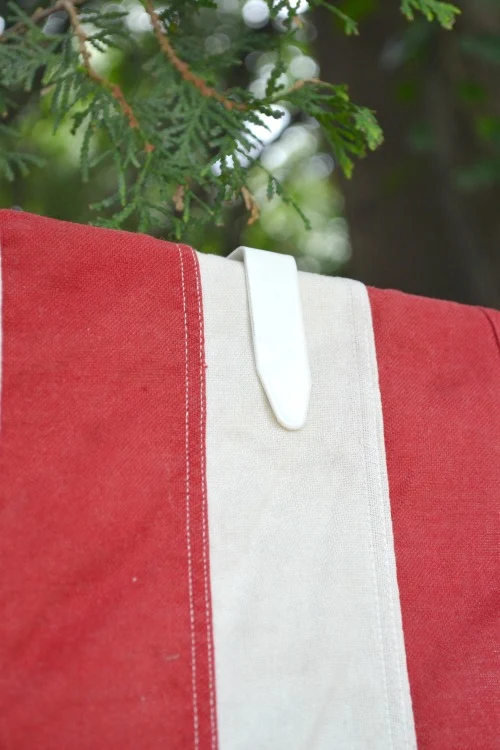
(70, 7)
(303, 82)
(183, 68)
(113, 88)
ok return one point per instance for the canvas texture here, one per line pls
(105, 611)
(439, 369)
(306, 607)
(178, 571)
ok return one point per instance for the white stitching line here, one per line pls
(205, 522)
(375, 580)
(395, 645)
(188, 523)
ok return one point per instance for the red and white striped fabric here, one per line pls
(178, 571)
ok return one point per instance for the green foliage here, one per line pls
(350, 129)
(349, 23)
(433, 10)
(12, 160)
(182, 143)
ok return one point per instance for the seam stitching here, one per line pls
(188, 520)
(375, 581)
(387, 521)
(213, 726)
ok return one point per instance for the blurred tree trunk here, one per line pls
(410, 227)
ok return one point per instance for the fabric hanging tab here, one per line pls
(279, 340)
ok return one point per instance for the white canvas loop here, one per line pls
(278, 333)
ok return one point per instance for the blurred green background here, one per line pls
(422, 214)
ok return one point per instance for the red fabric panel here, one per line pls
(105, 638)
(439, 371)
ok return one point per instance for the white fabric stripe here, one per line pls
(309, 650)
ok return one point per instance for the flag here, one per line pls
(179, 571)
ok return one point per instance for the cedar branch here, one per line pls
(303, 81)
(113, 88)
(182, 67)
(70, 7)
